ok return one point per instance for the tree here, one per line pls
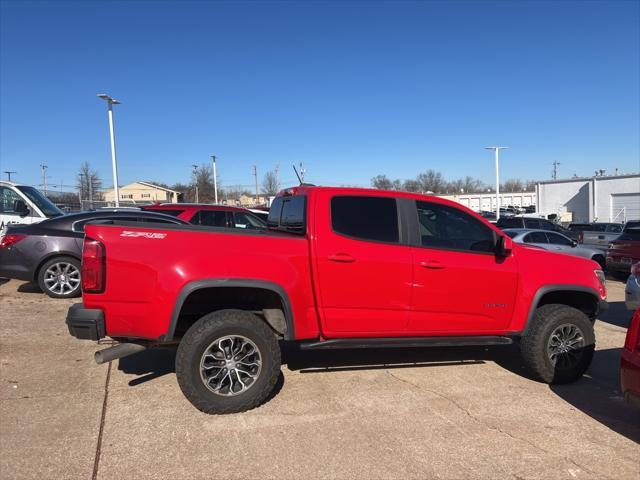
(89, 183)
(270, 183)
(432, 181)
(411, 186)
(512, 185)
(381, 182)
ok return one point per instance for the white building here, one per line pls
(614, 198)
(487, 201)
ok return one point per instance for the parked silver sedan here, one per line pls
(556, 242)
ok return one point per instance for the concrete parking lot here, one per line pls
(439, 413)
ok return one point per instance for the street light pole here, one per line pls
(111, 102)
(195, 180)
(215, 179)
(496, 151)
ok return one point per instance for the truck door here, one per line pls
(363, 269)
(459, 285)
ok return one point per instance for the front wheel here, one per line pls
(60, 277)
(559, 344)
(228, 362)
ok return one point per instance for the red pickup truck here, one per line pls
(337, 268)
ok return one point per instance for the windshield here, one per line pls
(43, 203)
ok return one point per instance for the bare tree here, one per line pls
(382, 182)
(432, 181)
(89, 183)
(512, 185)
(270, 183)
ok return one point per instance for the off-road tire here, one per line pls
(43, 269)
(198, 338)
(534, 343)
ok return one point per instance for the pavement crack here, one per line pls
(96, 461)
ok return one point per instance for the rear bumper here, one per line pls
(85, 323)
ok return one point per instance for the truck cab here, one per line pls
(24, 204)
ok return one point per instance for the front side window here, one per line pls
(245, 220)
(372, 219)
(43, 203)
(556, 239)
(442, 226)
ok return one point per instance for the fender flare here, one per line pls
(542, 291)
(189, 288)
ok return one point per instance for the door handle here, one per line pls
(341, 258)
(433, 264)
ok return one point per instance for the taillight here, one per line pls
(10, 239)
(632, 342)
(602, 287)
(93, 266)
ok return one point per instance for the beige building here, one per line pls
(143, 192)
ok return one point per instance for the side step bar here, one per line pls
(400, 342)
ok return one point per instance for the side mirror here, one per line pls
(21, 208)
(504, 247)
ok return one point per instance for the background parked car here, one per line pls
(49, 252)
(23, 204)
(632, 289)
(555, 242)
(624, 251)
(600, 234)
(630, 363)
(533, 223)
(210, 215)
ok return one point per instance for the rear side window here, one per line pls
(288, 214)
(366, 218)
(446, 227)
(536, 237)
(509, 223)
(210, 218)
(167, 211)
(532, 223)
(614, 229)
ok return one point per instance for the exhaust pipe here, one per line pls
(117, 351)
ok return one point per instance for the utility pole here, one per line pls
(43, 167)
(278, 174)
(302, 172)
(9, 172)
(255, 176)
(555, 164)
(496, 151)
(195, 180)
(215, 179)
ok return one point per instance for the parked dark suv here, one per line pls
(48, 253)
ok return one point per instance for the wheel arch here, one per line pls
(51, 256)
(217, 287)
(583, 298)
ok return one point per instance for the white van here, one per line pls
(24, 204)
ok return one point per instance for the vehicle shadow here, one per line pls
(616, 314)
(598, 395)
(157, 362)
(29, 287)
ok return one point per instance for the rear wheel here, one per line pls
(227, 362)
(559, 344)
(60, 277)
